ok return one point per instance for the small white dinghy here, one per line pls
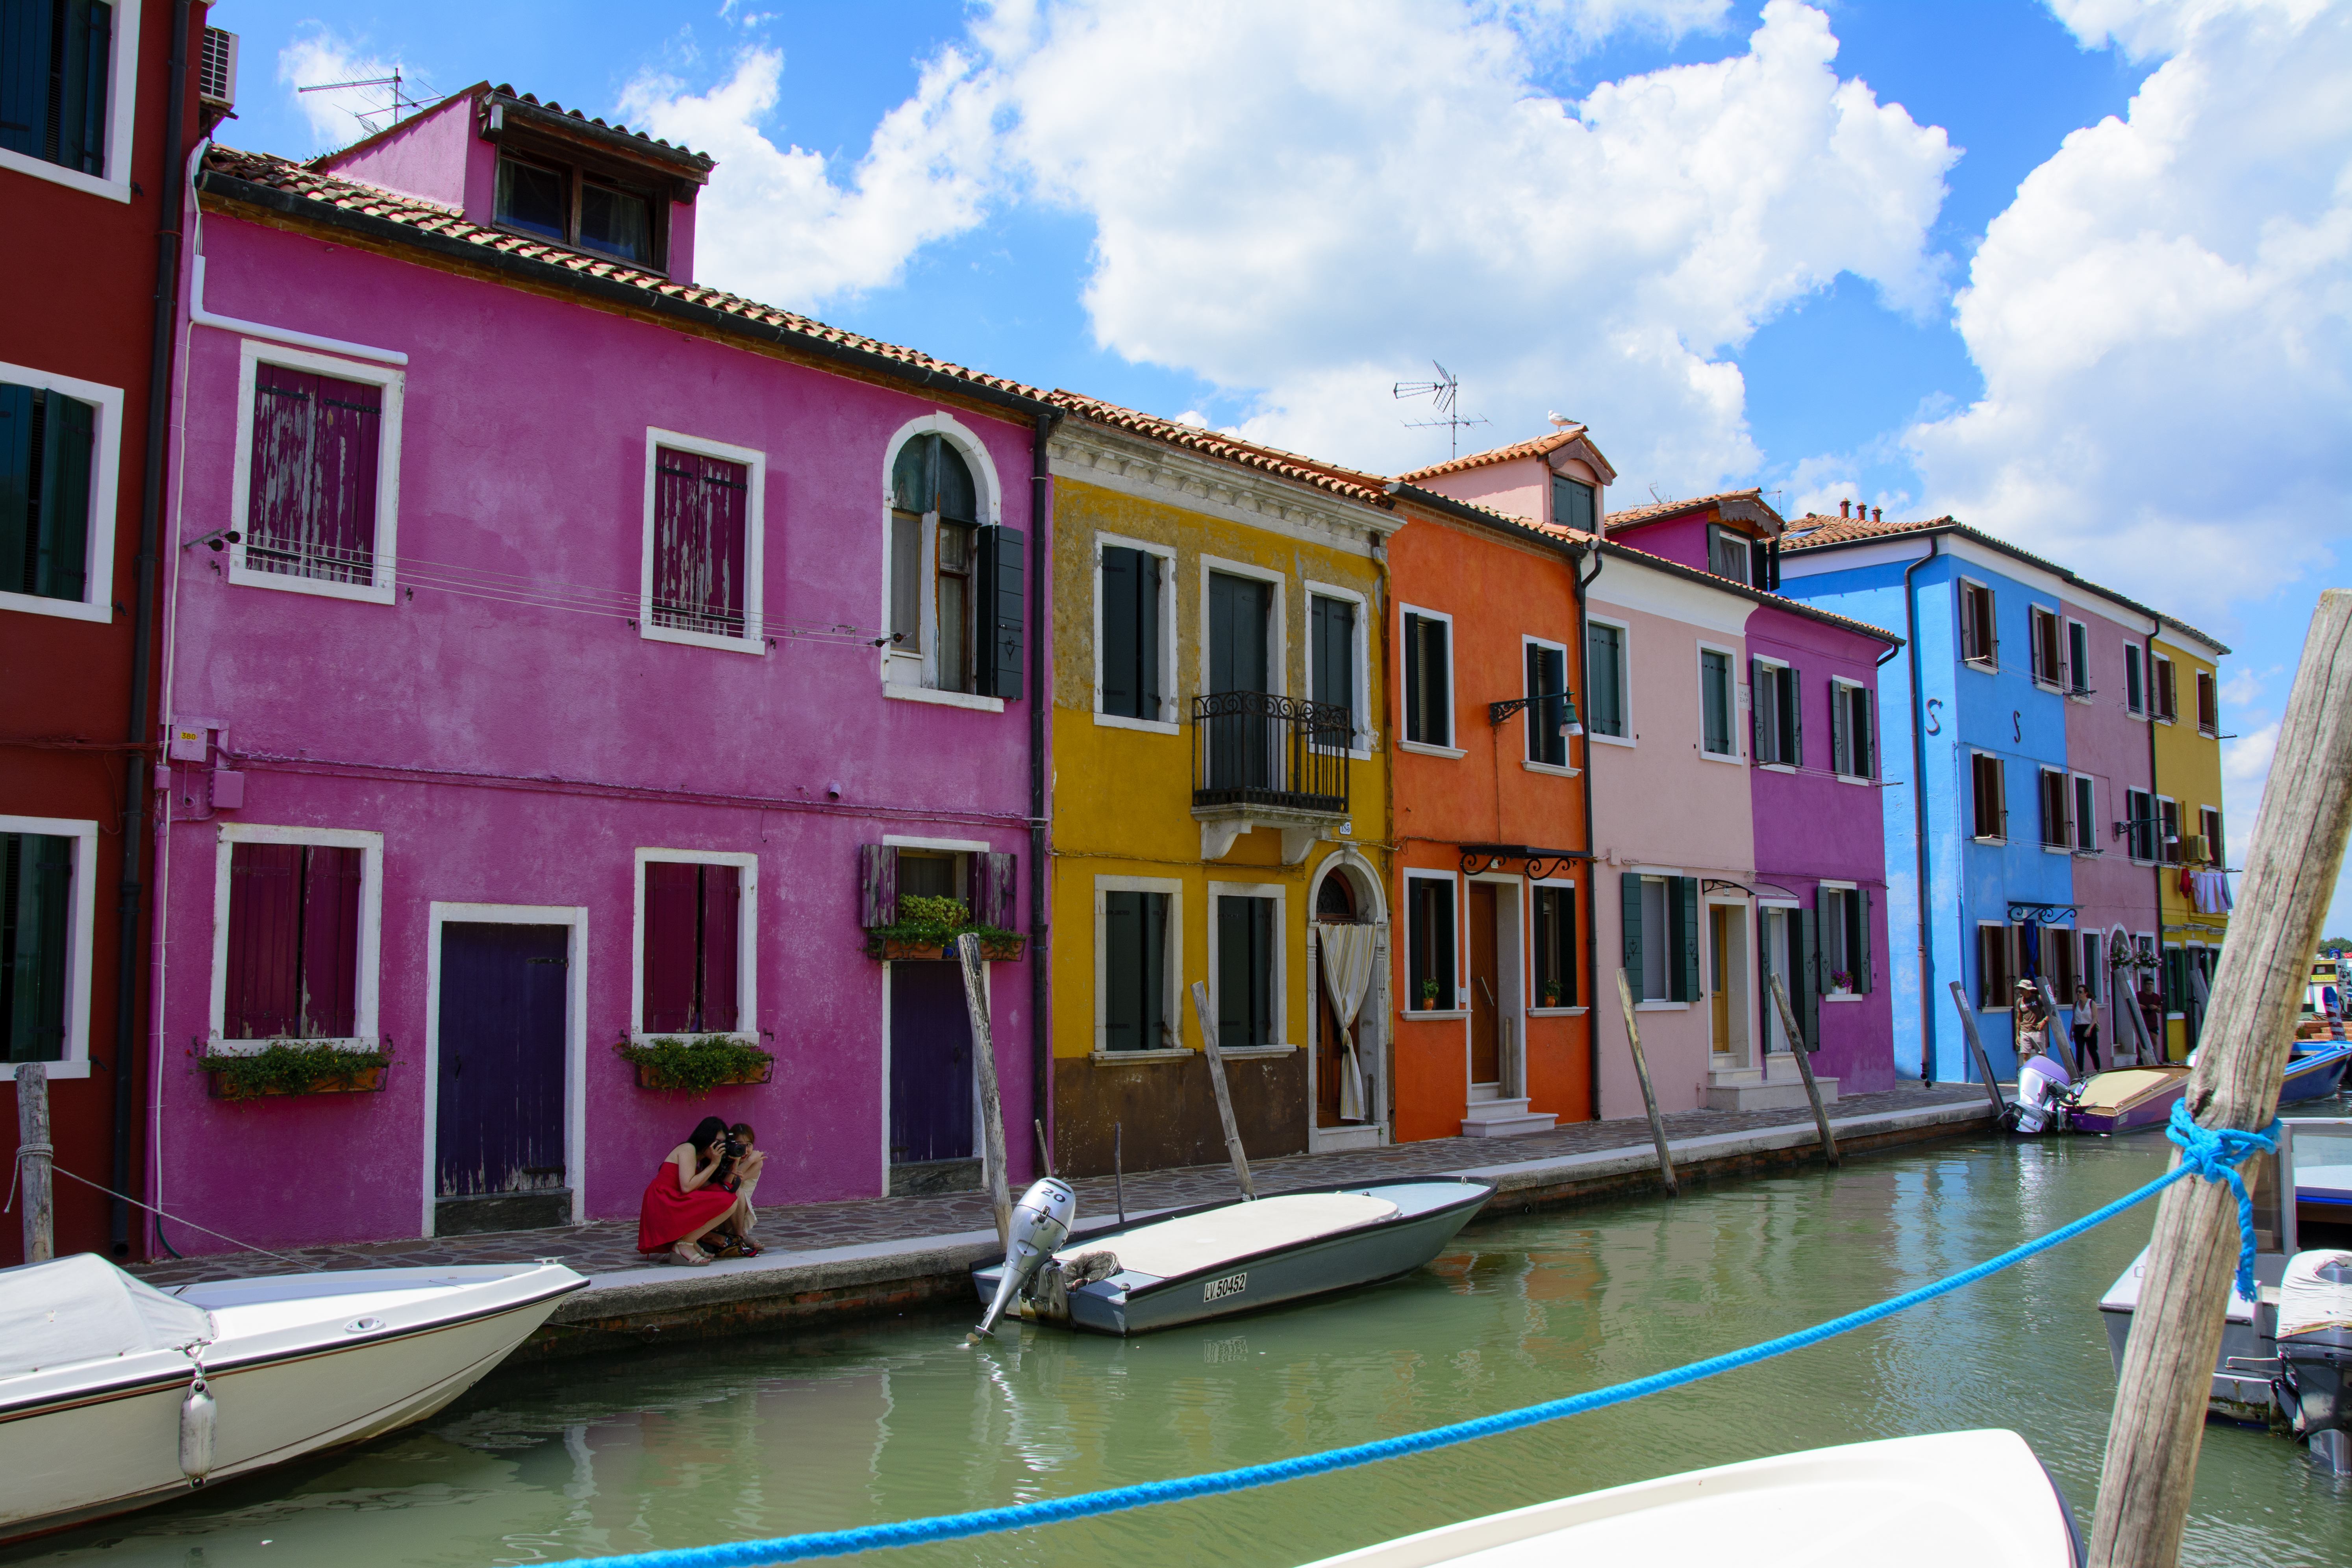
(114, 1394)
(1952, 1499)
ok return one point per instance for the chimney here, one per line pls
(1878, 514)
(1846, 509)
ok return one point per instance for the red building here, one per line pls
(100, 105)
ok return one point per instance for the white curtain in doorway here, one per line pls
(1347, 953)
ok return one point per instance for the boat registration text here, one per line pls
(1231, 1285)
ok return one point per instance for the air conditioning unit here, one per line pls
(217, 69)
(2193, 847)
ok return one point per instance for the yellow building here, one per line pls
(2183, 702)
(1220, 791)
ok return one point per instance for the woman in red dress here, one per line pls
(681, 1203)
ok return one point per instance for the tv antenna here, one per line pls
(1443, 394)
(400, 97)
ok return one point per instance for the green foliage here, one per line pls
(695, 1062)
(937, 923)
(288, 1066)
(948, 914)
(2334, 944)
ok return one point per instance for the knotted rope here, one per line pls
(2213, 1152)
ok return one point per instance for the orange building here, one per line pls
(1492, 956)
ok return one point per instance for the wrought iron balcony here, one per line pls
(1253, 749)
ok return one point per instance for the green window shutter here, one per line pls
(61, 569)
(19, 517)
(1414, 727)
(1629, 885)
(1840, 761)
(81, 113)
(1797, 716)
(1861, 903)
(1809, 972)
(36, 891)
(1682, 896)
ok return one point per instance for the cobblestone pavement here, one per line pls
(608, 1246)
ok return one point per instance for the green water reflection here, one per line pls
(893, 1420)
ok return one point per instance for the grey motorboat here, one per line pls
(1220, 1258)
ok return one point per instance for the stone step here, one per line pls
(1784, 1094)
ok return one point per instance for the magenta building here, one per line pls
(560, 655)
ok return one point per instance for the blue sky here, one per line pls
(2072, 271)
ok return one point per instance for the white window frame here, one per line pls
(2134, 653)
(1666, 1004)
(1732, 657)
(895, 666)
(2155, 659)
(366, 985)
(1282, 1045)
(1849, 889)
(1841, 690)
(1746, 543)
(252, 354)
(575, 917)
(2003, 762)
(82, 932)
(1535, 1008)
(1173, 997)
(2073, 960)
(1759, 664)
(1277, 626)
(2068, 837)
(1625, 692)
(1993, 600)
(2077, 684)
(2214, 848)
(122, 119)
(1365, 739)
(97, 601)
(1460, 1010)
(1168, 723)
(747, 935)
(1453, 687)
(2007, 992)
(1528, 713)
(754, 640)
(2084, 824)
(2153, 825)
(2199, 678)
(2053, 680)
(2157, 833)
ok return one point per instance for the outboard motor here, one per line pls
(1041, 1222)
(2314, 1348)
(2043, 1089)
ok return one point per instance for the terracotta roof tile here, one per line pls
(1656, 509)
(1540, 447)
(1369, 489)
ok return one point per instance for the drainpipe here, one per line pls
(1592, 866)
(138, 770)
(1920, 816)
(1041, 502)
(2147, 709)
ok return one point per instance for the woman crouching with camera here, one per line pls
(691, 1207)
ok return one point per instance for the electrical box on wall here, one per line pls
(228, 790)
(188, 743)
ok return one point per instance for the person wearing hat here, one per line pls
(2032, 1024)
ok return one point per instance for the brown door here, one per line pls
(1485, 987)
(1718, 919)
(1335, 903)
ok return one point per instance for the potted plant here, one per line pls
(928, 928)
(695, 1062)
(1842, 980)
(1551, 992)
(1428, 995)
(294, 1066)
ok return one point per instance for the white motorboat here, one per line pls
(1953, 1500)
(114, 1394)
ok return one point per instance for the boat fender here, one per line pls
(198, 1416)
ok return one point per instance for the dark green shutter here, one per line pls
(81, 113)
(1684, 892)
(1413, 728)
(62, 566)
(1004, 578)
(1840, 761)
(1797, 717)
(19, 513)
(1121, 632)
(1809, 972)
(36, 891)
(1861, 903)
(1629, 884)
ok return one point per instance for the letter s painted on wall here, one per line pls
(1935, 715)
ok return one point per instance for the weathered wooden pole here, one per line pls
(1976, 1044)
(1217, 1086)
(1804, 1067)
(992, 1106)
(1044, 1154)
(1649, 1096)
(33, 1156)
(2049, 1031)
(2176, 1334)
(2146, 1050)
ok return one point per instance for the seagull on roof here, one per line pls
(1560, 421)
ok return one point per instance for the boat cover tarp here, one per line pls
(2315, 1294)
(1189, 1242)
(2122, 1087)
(83, 1307)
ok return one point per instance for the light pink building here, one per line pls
(560, 654)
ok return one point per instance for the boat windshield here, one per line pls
(2261, 1176)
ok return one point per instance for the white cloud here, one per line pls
(2163, 317)
(340, 118)
(1302, 206)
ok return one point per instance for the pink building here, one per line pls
(561, 655)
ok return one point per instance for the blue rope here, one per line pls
(2213, 1152)
(2206, 1153)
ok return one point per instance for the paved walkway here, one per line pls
(609, 1247)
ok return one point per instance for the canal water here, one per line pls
(893, 1420)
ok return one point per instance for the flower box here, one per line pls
(1000, 947)
(651, 1077)
(695, 1063)
(283, 1067)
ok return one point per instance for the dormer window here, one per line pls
(579, 207)
(1573, 504)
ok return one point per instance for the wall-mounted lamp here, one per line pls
(218, 538)
(1569, 724)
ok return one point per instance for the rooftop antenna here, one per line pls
(400, 97)
(1442, 393)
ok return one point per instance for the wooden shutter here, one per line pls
(37, 887)
(878, 885)
(1683, 893)
(1629, 888)
(673, 896)
(344, 454)
(1809, 972)
(1755, 707)
(1863, 905)
(277, 506)
(265, 933)
(1867, 724)
(1796, 685)
(330, 941)
(1122, 665)
(1003, 575)
(1968, 622)
(999, 905)
(61, 565)
(719, 993)
(19, 510)
(1415, 729)
(701, 510)
(1841, 760)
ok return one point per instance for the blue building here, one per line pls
(1973, 722)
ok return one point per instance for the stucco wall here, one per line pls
(2187, 770)
(2108, 742)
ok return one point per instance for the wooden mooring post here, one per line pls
(1649, 1096)
(34, 1155)
(1803, 1053)
(1217, 1086)
(2176, 1334)
(992, 1106)
(1976, 1044)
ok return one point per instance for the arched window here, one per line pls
(935, 588)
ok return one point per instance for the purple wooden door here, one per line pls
(501, 1106)
(931, 1064)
